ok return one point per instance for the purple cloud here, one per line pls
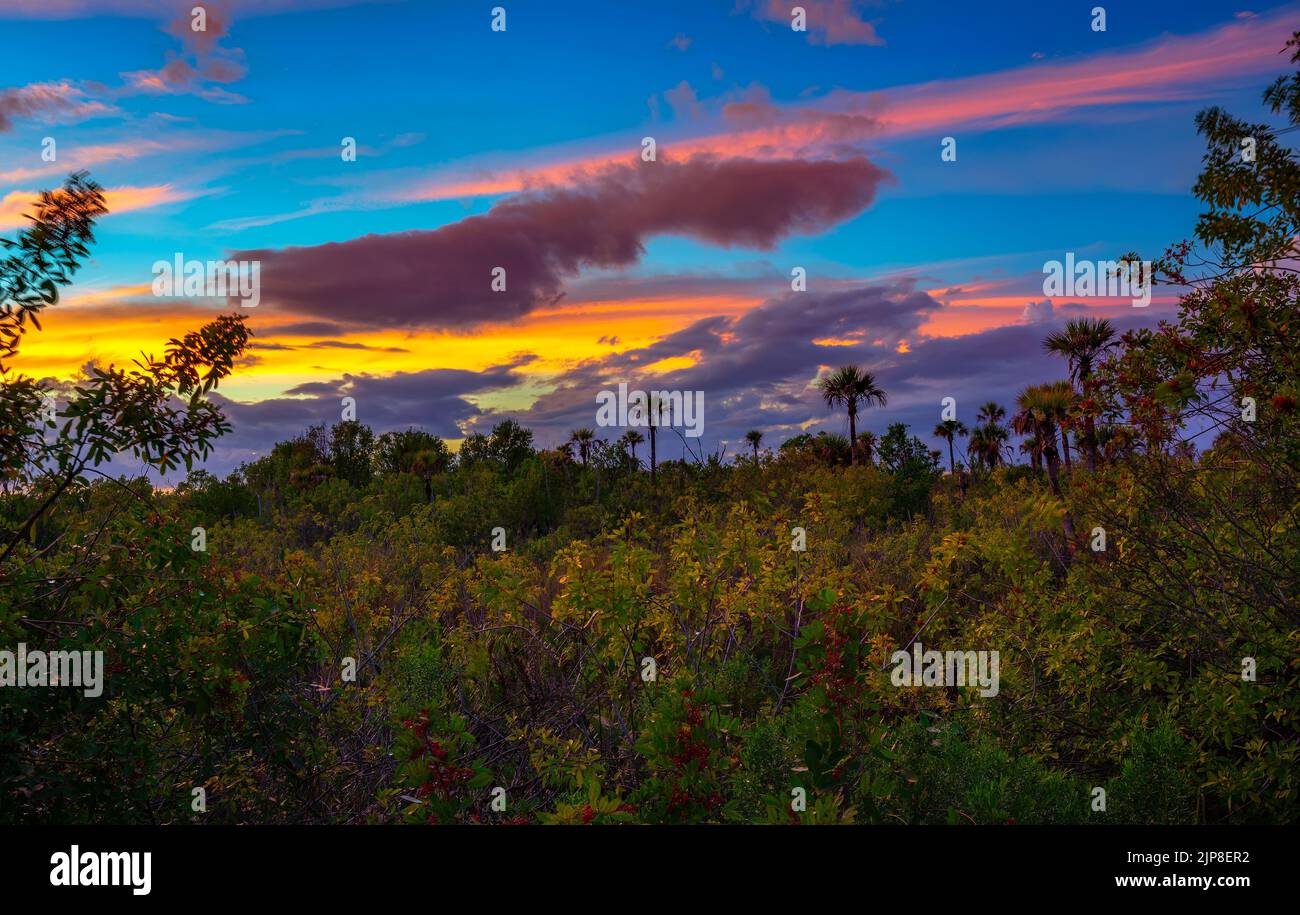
(444, 277)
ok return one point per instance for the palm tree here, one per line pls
(998, 437)
(755, 438)
(657, 409)
(830, 448)
(991, 412)
(1042, 409)
(867, 442)
(632, 438)
(1034, 448)
(1114, 441)
(1081, 342)
(1067, 416)
(427, 462)
(948, 429)
(989, 439)
(851, 386)
(583, 439)
(986, 444)
(1065, 424)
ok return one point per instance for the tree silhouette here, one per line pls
(1043, 407)
(991, 412)
(1081, 343)
(583, 438)
(157, 412)
(986, 444)
(948, 430)
(631, 438)
(851, 387)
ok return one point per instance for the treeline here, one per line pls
(327, 467)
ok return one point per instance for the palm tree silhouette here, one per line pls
(851, 386)
(948, 429)
(1042, 409)
(986, 444)
(990, 437)
(632, 438)
(583, 439)
(1081, 342)
(1034, 448)
(755, 438)
(657, 408)
(991, 412)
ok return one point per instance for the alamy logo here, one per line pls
(946, 668)
(103, 868)
(653, 408)
(241, 280)
(84, 669)
(1083, 279)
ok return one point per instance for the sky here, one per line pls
(776, 150)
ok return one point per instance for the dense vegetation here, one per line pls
(650, 645)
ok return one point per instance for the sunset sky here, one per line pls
(775, 149)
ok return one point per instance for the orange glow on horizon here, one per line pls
(113, 326)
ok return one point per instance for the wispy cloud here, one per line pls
(1169, 69)
(826, 22)
(152, 9)
(749, 123)
(50, 103)
(15, 204)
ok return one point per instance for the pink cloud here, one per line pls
(74, 156)
(683, 100)
(152, 9)
(750, 124)
(1169, 69)
(85, 157)
(60, 102)
(216, 25)
(202, 59)
(828, 22)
